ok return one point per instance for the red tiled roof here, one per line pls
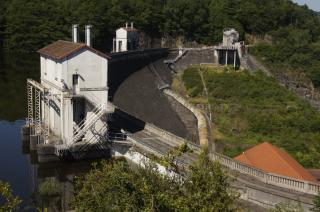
(274, 160)
(62, 49)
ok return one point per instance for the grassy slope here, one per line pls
(250, 109)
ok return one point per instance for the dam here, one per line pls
(124, 107)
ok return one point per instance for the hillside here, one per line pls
(250, 109)
(29, 25)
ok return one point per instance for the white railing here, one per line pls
(169, 136)
(95, 139)
(85, 126)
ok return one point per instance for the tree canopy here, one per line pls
(8, 202)
(115, 186)
(29, 25)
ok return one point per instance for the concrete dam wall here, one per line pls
(134, 81)
(135, 78)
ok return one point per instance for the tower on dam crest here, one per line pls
(231, 51)
(127, 38)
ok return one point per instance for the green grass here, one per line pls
(250, 109)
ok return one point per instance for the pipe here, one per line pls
(75, 33)
(88, 35)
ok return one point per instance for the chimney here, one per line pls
(88, 35)
(126, 24)
(131, 25)
(75, 33)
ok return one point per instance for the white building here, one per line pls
(127, 38)
(75, 76)
(230, 37)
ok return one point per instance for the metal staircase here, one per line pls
(80, 145)
(86, 124)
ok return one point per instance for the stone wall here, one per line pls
(201, 120)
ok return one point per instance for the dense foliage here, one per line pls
(292, 53)
(115, 186)
(8, 202)
(316, 207)
(29, 25)
(14, 71)
(250, 109)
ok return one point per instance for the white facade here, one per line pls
(77, 85)
(127, 38)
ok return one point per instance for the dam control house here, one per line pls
(71, 100)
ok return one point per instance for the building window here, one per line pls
(75, 83)
(75, 79)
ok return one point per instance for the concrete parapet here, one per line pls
(268, 178)
(202, 124)
(169, 136)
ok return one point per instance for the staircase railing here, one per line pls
(88, 123)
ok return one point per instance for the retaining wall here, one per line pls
(202, 124)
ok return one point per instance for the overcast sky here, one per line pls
(313, 4)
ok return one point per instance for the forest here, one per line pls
(29, 25)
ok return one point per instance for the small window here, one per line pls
(75, 79)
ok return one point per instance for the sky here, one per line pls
(312, 4)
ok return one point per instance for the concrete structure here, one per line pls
(127, 39)
(68, 107)
(230, 37)
(67, 71)
(230, 51)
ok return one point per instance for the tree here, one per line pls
(117, 186)
(114, 186)
(11, 202)
(316, 207)
(208, 187)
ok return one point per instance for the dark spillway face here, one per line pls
(124, 64)
(134, 87)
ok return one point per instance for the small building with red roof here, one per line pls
(272, 159)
